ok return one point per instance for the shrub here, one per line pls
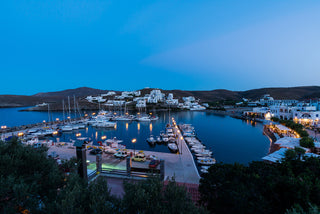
(306, 142)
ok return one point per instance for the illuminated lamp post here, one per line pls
(134, 140)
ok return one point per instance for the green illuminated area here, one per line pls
(106, 166)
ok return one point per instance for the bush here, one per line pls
(261, 187)
(306, 142)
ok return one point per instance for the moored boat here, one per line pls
(173, 147)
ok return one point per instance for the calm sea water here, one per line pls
(231, 140)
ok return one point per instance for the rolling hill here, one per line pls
(299, 93)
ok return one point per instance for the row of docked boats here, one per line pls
(113, 116)
(166, 137)
(202, 154)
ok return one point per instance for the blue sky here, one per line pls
(126, 45)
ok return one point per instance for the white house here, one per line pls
(141, 104)
(188, 99)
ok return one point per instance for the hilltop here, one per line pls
(299, 93)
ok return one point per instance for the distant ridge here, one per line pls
(298, 93)
(78, 92)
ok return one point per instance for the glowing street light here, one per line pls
(78, 135)
(3, 127)
(57, 119)
(134, 146)
(43, 121)
(103, 137)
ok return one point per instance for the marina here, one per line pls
(185, 156)
(214, 130)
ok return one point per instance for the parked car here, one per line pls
(121, 154)
(139, 157)
(154, 163)
(95, 151)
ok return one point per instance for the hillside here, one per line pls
(299, 93)
(78, 92)
(18, 101)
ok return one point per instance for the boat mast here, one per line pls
(69, 108)
(74, 103)
(64, 118)
(48, 113)
(79, 110)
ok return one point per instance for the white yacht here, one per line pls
(198, 108)
(66, 128)
(144, 119)
(104, 124)
(173, 147)
(207, 161)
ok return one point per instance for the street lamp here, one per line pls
(134, 146)
(181, 138)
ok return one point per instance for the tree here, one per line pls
(151, 196)
(29, 180)
(261, 187)
(307, 142)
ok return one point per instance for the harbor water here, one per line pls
(231, 140)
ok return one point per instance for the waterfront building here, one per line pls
(171, 101)
(141, 103)
(99, 99)
(130, 94)
(259, 112)
(270, 101)
(205, 105)
(110, 93)
(188, 99)
(310, 118)
(277, 156)
(41, 104)
(155, 96)
(115, 103)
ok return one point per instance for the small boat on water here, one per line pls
(104, 124)
(66, 128)
(158, 139)
(154, 118)
(207, 161)
(170, 132)
(203, 152)
(199, 155)
(204, 169)
(151, 140)
(171, 140)
(198, 146)
(173, 147)
(144, 119)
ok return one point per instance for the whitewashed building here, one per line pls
(155, 96)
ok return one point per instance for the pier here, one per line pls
(180, 166)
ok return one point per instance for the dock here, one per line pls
(180, 166)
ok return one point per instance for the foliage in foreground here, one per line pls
(262, 187)
(32, 182)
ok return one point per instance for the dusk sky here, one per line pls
(51, 45)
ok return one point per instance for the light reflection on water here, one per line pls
(231, 140)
